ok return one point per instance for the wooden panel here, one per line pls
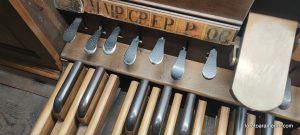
(263, 76)
(69, 124)
(46, 25)
(233, 11)
(118, 128)
(163, 20)
(192, 81)
(45, 122)
(27, 49)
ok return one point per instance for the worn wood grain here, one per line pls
(18, 110)
(26, 83)
(37, 26)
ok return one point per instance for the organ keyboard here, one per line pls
(141, 67)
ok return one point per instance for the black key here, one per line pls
(70, 33)
(160, 113)
(186, 123)
(137, 108)
(66, 87)
(90, 92)
(91, 45)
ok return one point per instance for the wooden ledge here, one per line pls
(193, 81)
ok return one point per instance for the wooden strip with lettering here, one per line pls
(103, 106)
(163, 20)
(173, 114)
(251, 120)
(118, 128)
(222, 120)
(69, 124)
(149, 111)
(199, 118)
(46, 122)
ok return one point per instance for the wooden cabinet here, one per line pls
(31, 34)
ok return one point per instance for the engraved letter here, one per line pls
(168, 22)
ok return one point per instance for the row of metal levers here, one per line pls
(93, 101)
(209, 71)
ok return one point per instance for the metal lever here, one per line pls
(91, 45)
(287, 95)
(70, 33)
(178, 68)
(210, 67)
(130, 54)
(111, 42)
(157, 54)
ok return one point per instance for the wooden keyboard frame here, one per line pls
(192, 81)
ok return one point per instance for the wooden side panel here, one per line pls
(45, 22)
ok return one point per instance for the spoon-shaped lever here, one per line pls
(210, 67)
(91, 45)
(70, 33)
(111, 42)
(157, 53)
(178, 68)
(131, 52)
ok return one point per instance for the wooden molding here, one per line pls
(52, 74)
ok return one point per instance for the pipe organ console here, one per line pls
(175, 67)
